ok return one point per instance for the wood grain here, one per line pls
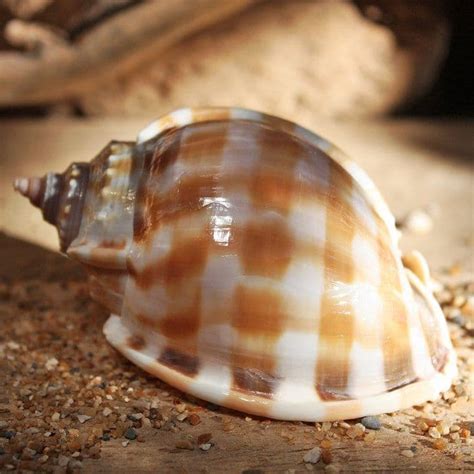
(61, 69)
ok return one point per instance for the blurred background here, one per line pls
(343, 59)
(389, 81)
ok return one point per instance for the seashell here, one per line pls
(248, 262)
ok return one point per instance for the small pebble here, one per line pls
(355, 431)
(370, 436)
(459, 301)
(326, 456)
(371, 422)
(326, 443)
(468, 307)
(130, 434)
(194, 419)
(125, 443)
(205, 446)
(418, 222)
(184, 444)
(459, 320)
(28, 453)
(443, 428)
(444, 297)
(107, 411)
(55, 417)
(32, 430)
(204, 438)
(457, 455)
(62, 460)
(83, 418)
(434, 433)
(423, 426)
(440, 444)
(43, 458)
(449, 395)
(408, 453)
(135, 416)
(51, 364)
(182, 416)
(146, 422)
(312, 456)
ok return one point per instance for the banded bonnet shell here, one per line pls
(248, 262)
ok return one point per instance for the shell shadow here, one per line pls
(22, 260)
(454, 140)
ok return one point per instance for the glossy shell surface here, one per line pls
(248, 262)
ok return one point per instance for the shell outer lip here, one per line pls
(415, 393)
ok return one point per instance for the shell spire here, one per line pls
(44, 193)
(30, 188)
(60, 196)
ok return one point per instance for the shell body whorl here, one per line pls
(248, 262)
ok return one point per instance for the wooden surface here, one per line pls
(413, 163)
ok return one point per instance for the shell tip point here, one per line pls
(21, 185)
(31, 188)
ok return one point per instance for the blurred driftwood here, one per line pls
(64, 57)
(293, 58)
(289, 57)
